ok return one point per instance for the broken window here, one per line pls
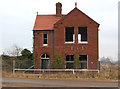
(45, 39)
(69, 66)
(69, 61)
(44, 56)
(83, 61)
(82, 34)
(69, 34)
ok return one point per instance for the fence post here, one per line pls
(73, 71)
(13, 66)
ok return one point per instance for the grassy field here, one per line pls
(108, 72)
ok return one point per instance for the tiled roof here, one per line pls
(45, 22)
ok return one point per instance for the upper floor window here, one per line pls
(82, 34)
(69, 35)
(45, 39)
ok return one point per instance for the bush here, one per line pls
(57, 62)
(76, 62)
(7, 64)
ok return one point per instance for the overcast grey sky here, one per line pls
(17, 19)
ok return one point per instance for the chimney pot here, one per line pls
(75, 4)
(58, 9)
(37, 13)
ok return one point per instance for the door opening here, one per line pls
(45, 61)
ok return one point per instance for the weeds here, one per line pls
(106, 73)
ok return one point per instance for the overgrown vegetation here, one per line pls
(76, 62)
(104, 74)
(57, 62)
(17, 59)
(24, 59)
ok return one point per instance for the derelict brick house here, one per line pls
(73, 34)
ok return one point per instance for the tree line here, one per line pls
(23, 59)
(17, 58)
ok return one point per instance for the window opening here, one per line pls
(83, 61)
(69, 34)
(82, 34)
(69, 61)
(45, 39)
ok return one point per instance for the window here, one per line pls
(69, 61)
(69, 34)
(44, 56)
(69, 66)
(82, 34)
(45, 39)
(83, 61)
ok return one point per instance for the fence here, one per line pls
(57, 70)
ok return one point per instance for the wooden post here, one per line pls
(73, 71)
(13, 66)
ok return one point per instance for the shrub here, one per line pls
(57, 62)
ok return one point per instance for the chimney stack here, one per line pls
(58, 9)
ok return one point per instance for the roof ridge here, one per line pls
(46, 14)
(50, 15)
(79, 11)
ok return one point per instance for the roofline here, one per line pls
(47, 15)
(88, 16)
(50, 14)
(35, 21)
(81, 12)
(44, 30)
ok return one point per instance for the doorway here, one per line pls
(45, 61)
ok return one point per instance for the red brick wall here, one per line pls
(39, 49)
(75, 19)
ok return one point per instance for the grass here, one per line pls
(107, 72)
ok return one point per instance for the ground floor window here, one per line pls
(69, 61)
(69, 65)
(45, 61)
(83, 61)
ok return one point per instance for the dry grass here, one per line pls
(106, 73)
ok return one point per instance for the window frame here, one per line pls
(84, 62)
(65, 35)
(45, 56)
(69, 61)
(81, 36)
(44, 39)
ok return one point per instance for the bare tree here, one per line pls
(14, 51)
